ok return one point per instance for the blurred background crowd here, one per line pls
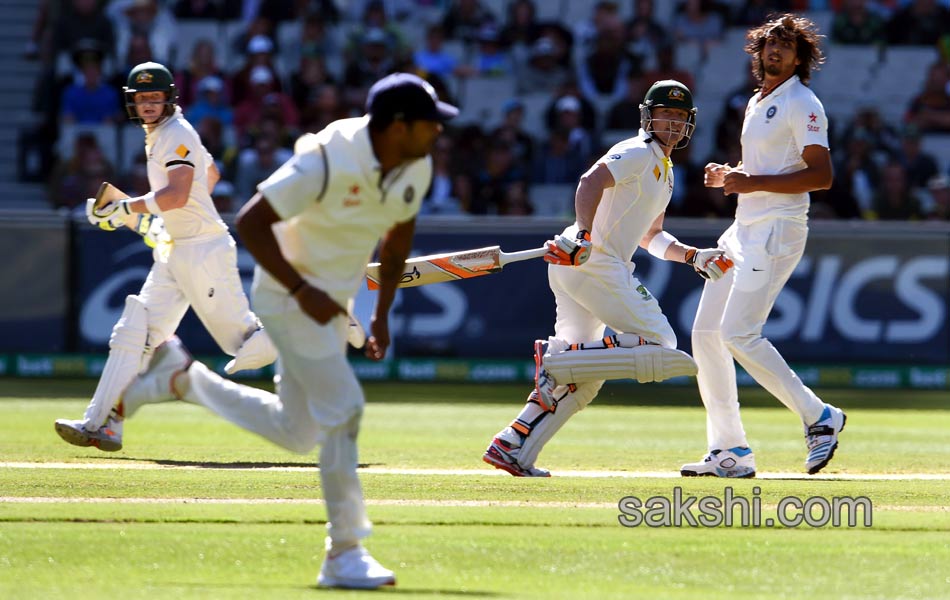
(545, 87)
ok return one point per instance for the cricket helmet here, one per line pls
(150, 77)
(668, 93)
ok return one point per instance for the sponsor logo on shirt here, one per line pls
(352, 196)
(182, 151)
(813, 118)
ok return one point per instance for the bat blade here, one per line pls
(450, 266)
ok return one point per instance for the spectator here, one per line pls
(260, 53)
(373, 62)
(689, 189)
(89, 100)
(521, 28)
(490, 59)
(490, 185)
(930, 111)
(603, 72)
(625, 113)
(432, 58)
(919, 23)
(666, 68)
(442, 198)
(323, 107)
(147, 18)
(272, 10)
(605, 14)
(939, 189)
(257, 163)
(316, 41)
(563, 42)
(895, 201)
(698, 23)
(212, 135)
(211, 101)
(464, 18)
(223, 197)
(854, 23)
(884, 138)
(258, 26)
(308, 80)
(203, 64)
(579, 138)
(571, 88)
(557, 162)
(135, 182)
(645, 34)
(856, 178)
(374, 19)
(542, 72)
(79, 177)
(82, 20)
(755, 12)
(263, 96)
(511, 132)
(919, 166)
(196, 9)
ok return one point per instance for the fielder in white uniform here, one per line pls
(195, 266)
(784, 156)
(313, 227)
(620, 203)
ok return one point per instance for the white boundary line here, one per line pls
(149, 466)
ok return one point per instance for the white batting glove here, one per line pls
(565, 251)
(152, 230)
(709, 263)
(108, 217)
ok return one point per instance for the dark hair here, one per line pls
(787, 27)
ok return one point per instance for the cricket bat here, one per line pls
(139, 223)
(450, 266)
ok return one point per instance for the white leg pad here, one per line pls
(570, 403)
(644, 363)
(127, 347)
(257, 351)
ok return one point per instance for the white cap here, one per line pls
(260, 44)
(568, 104)
(261, 74)
(211, 83)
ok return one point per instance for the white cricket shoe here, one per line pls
(107, 438)
(354, 569)
(158, 383)
(822, 438)
(503, 455)
(735, 462)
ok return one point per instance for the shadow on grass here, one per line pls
(397, 590)
(205, 464)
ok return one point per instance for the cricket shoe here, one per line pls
(822, 438)
(735, 462)
(504, 455)
(354, 569)
(544, 383)
(107, 438)
(164, 380)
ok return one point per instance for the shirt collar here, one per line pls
(364, 145)
(653, 144)
(781, 89)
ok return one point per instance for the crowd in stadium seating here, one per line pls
(251, 95)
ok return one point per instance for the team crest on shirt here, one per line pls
(643, 291)
(770, 112)
(409, 194)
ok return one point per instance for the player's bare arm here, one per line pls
(393, 251)
(214, 176)
(818, 175)
(172, 196)
(709, 263)
(590, 189)
(254, 224)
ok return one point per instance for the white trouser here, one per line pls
(603, 292)
(202, 275)
(729, 321)
(318, 402)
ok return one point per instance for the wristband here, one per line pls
(660, 242)
(151, 204)
(298, 287)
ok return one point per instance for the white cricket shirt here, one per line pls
(334, 207)
(774, 134)
(175, 144)
(643, 184)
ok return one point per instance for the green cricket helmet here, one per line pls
(150, 77)
(668, 93)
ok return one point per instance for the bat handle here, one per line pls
(508, 257)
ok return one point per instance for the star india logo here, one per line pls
(144, 77)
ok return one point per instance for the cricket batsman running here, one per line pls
(784, 156)
(620, 203)
(199, 269)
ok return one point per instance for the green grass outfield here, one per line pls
(193, 507)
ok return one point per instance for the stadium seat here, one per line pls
(938, 145)
(131, 146)
(552, 200)
(481, 99)
(189, 33)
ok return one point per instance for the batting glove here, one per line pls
(565, 251)
(108, 217)
(709, 263)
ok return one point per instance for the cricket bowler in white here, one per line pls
(784, 156)
(619, 203)
(195, 265)
(313, 227)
